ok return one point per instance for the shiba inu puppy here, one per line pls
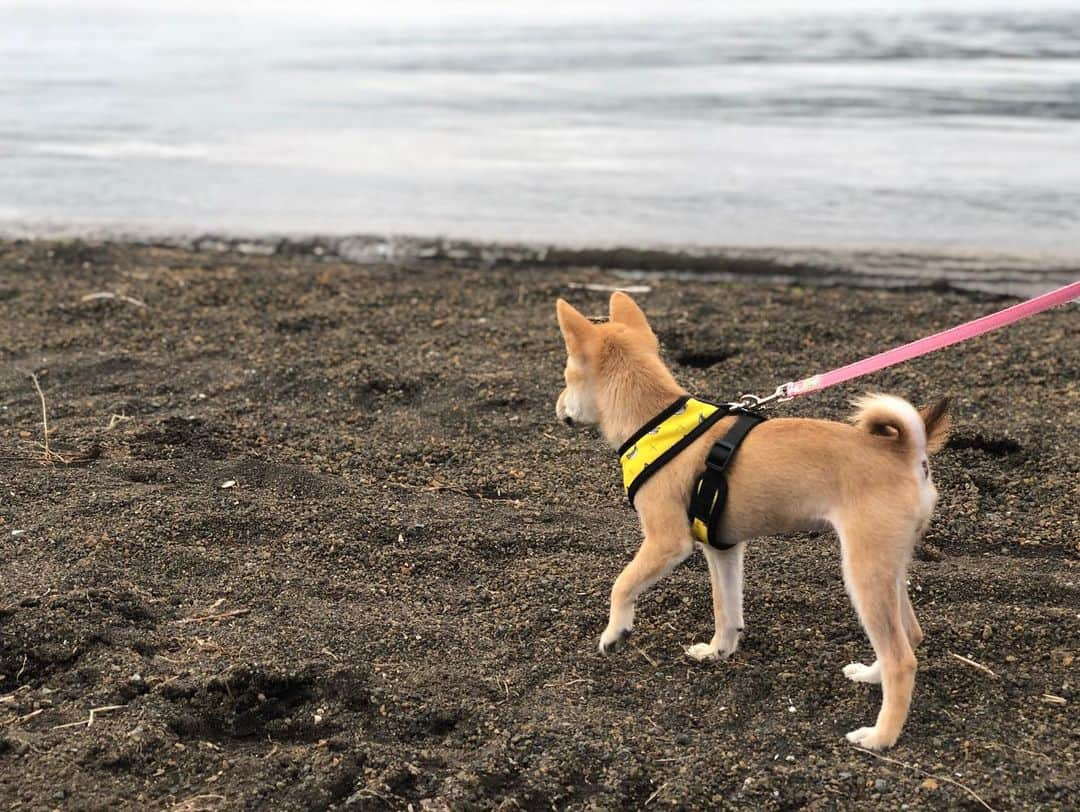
(870, 481)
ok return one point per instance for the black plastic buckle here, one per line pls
(718, 461)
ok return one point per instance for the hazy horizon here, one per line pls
(434, 11)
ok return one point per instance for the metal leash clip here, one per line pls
(754, 402)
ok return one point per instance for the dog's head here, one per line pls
(599, 356)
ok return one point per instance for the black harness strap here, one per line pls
(710, 492)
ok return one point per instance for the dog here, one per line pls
(870, 481)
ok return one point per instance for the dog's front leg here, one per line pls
(726, 575)
(667, 544)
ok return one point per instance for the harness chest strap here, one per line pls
(710, 491)
(662, 438)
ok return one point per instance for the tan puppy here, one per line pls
(871, 482)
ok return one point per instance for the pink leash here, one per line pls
(946, 338)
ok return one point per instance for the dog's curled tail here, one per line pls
(919, 432)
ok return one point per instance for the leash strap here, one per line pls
(945, 338)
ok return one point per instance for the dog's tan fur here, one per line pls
(870, 481)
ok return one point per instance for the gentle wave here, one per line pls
(554, 49)
(111, 150)
(1019, 102)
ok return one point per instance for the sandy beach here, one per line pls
(310, 537)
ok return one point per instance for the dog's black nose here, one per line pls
(568, 420)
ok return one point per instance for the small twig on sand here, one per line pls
(973, 664)
(44, 412)
(996, 745)
(199, 803)
(608, 288)
(443, 486)
(90, 720)
(643, 653)
(216, 616)
(18, 720)
(50, 456)
(437, 486)
(504, 684)
(652, 797)
(114, 419)
(108, 294)
(947, 780)
(367, 792)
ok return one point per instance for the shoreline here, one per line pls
(1020, 274)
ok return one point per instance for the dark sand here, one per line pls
(411, 570)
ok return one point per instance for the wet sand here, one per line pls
(313, 539)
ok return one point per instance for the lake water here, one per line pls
(916, 130)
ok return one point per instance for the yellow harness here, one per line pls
(663, 437)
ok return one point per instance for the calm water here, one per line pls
(931, 130)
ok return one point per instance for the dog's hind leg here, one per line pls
(857, 672)
(667, 544)
(726, 575)
(874, 559)
(911, 623)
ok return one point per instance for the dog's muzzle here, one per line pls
(568, 420)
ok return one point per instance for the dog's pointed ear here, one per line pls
(624, 310)
(576, 329)
(937, 421)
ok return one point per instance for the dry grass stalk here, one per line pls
(367, 792)
(90, 720)
(18, 720)
(108, 294)
(214, 616)
(50, 457)
(973, 664)
(595, 287)
(996, 745)
(656, 794)
(436, 487)
(199, 803)
(432, 488)
(921, 771)
(44, 412)
(26, 716)
(643, 653)
(114, 419)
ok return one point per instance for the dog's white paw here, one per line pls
(857, 672)
(702, 652)
(870, 738)
(719, 648)
(612, 639)
(729, 643)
